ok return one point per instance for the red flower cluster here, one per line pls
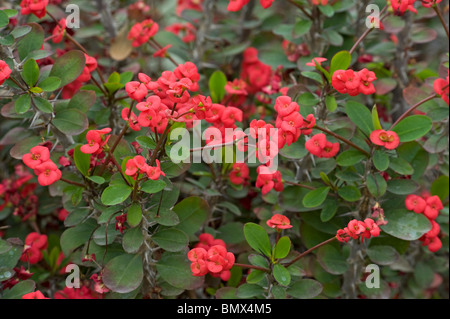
(320, 2)
(99, 286)
(400, 6)
(137, 165)
(19, 274)
(279, 221)
(430, 3)
(185, 30)
(182, 5)
(34, 295)
(268, 181)
(18, 192)
(320, 147)
(211, 256)
(36, 7)
(237, 5)
(295, 51)
(354, 83)
(5, 71)
(255, 73)
(77, 293)
(441, 88)
(39, 160)
(96, 141)
(430, 207)
(141, 32)
(34, 245)
(388, 139)
(358, 229)
(120, 222)
(239, 173)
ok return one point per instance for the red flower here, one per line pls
(434, 205)
(36, 240)
(367, 77)
(415, 203)
(441, 88)
(279, 221)
(400, 6)
(430, 3)
(316, 61)
(346, 82)
(388, 139)
(266, 3)
(435, 244)
(136, 90)
(320, 2)
(47, 173)
(37, 156)
(36, 7)
(154, 172)
(59, 31)
(96, 141)
(5, 71)
(236, 5)
(239, 174)
(140, 33)
(34, 295)
(99, 286)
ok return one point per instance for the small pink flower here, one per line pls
(37, 156)
(388, 139)
(415, 203)
(279, 221)
(315, 61)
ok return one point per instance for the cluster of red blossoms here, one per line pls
(137, 165)
(441, 88)
(141, 32)
(18, 192)
(320, 147)
(35, 243)
(237, 5)
(36, 7)
(430, 207)
(354, 83)
(5, 72)
(39, 160)
(358, 229)
(239, 174)
(19, 274)
(96, 139)
(210, 256)
(278, 222)
(120, 223)
(34, 295)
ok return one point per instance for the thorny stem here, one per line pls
(309, 250)
(72, 182)
(168, 55)
(301, 8)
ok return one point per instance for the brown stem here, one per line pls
(17, 83)
(301, 8)
(72, 182)
(441, 18)
(119, 168)
(309, 250)
(412, 108)
(300, 185)
(168, 55)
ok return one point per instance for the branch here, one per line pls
(309, 250)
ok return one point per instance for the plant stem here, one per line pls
(441, 18)
(301, 8)
(72, 182)
(412, 108)
(300, 185)
(309, 250)
(168, 55)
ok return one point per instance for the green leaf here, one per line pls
(413, 127)
(350, 158)
(360, 115)
(316, 77)
(82, 100)
(132, 240)
(4, 19)
(36, 90)
(192, 212)
(382, 255)
(330, 102)
(328, 211)
(146, 142)
(302, 27)
(171, 239)
(282, 248)
(376, 119)
(380, 160)
(116, 194)
(22, 104)
(308, 99)
(76, 236)
(43, 105)
(402, 186)
(332, 260)
(151, 186)
(305, 289)
(20, 289)
(175, 269)
(327, 10)
(281, 275)
(71, 121)
(82, 160)
(217, 83)
(255, 276)
(400, 166)
(406, 225)
(123, 273)
(230, 207)
(440, 187)
(134, 215)
(32, 41)
(50, 84)
(257, 238)
(376, 185)
(316, 197)
(246, 291)
(96, 179)
(9, 256)
(340, 61)
(20, 31)
(350, 193)
(30, 73)
(166, 217)
(69, 66)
